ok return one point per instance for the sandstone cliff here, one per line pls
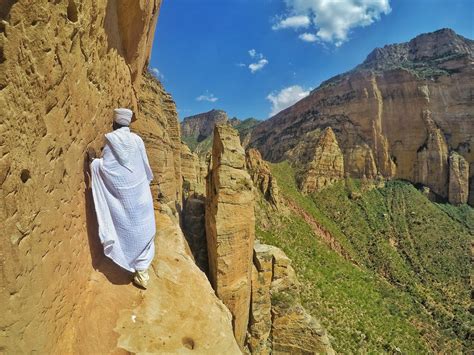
(398, 114)
(63, 66)
(202, 125)
(262, 178)
(230, 226)
(278, 322)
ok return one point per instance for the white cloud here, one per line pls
(207, 97)
(286, 97)
(157, 73)
(261, 61)
(258, 66)
(293, 22)
(308, 37)
(334, 19)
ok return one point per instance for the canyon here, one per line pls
(62, 64)
(229, 276)
(398, 115)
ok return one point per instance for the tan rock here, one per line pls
(432, 159)
(326, 165)
(63, 66)
(262, 177)
(159, 127)
(230, 226)
(378, 111)
(278, 322)
(458, 179)
(175, 314)
(201, 126)
(62, 71)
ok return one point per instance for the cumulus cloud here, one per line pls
(308, 37)
(332, 20)
(157, 73)
(207, 97)
(260, 61)
(286, 97)
(293, 22)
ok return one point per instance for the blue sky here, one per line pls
(252, 58)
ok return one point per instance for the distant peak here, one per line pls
(423, 48)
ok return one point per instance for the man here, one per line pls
(123, 200)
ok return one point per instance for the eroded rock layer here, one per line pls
(159, 128)
(202, 125)
(63, 66)
(262, 177)
(278, 321)
(230, 226)
(398, 114)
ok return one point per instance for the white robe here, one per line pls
(123, 200)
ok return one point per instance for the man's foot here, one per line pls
(141, 278)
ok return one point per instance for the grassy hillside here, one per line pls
(410, 290)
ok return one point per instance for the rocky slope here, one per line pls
(398, 115)
(63, 66)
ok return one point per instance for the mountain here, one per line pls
(200, 126)
(407, 112)
(196, 131)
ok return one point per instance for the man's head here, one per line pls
(122, 118)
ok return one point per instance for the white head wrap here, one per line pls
(123, 116)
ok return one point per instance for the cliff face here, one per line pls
(63, 66)
(61, 63)
(202, 125)
(230, 226)
(397, 114)
(159, 128)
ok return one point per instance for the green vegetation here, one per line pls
(246, 126)
(410, 292)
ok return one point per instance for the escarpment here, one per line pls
(398, 115)
(202, 125)
(64, 66)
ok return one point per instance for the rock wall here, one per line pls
(64, 66)
(262, 177)
(230, 226)
(202, 125)
(159, 128)
(319, 160)
(458, 179)
(404, 108)
(278, 321)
